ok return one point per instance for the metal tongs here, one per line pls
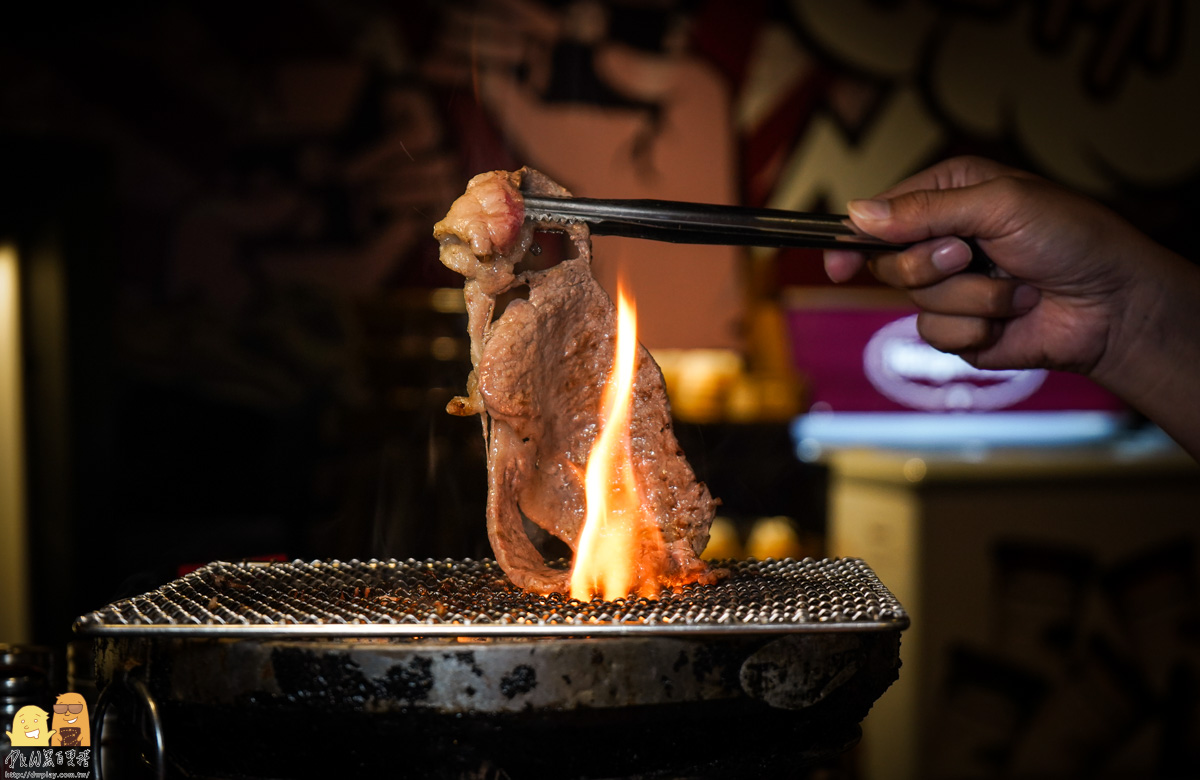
(702, 223)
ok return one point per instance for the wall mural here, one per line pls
(1089, 670)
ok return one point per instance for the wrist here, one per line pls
(1152, 359)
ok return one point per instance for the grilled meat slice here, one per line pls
(539, 369)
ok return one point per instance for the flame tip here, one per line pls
(617, 529)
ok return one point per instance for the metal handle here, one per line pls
(134, 682)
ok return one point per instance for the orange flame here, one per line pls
(618, 541)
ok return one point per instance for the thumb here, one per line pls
(978, 211)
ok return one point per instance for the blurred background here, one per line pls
(225, 333)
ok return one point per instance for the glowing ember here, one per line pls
(620, 549)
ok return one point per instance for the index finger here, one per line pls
(952, 174)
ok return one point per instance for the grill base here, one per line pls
(764, 676)
(260, 709)
(655, 742)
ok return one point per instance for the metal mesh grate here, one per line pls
(465, 598)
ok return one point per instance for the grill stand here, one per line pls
(642, 700)
(543, 707)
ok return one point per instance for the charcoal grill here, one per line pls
(445, 669)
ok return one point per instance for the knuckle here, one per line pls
(953, 334)
(996, 298)
(972, 167)
(912, 204)
(910, 269)
(932, 335)
(1010, 190)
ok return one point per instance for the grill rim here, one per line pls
(108, 622)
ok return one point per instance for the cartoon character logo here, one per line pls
(71, 722)
(31, 726)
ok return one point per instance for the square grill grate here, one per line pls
(474, 598)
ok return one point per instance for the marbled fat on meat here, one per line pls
(539, 370)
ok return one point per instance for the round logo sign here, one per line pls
(900, 365)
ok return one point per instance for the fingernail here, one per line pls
(953, 255)
(873, 210)
(1026, 297)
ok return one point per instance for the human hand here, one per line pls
(1068, 267)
